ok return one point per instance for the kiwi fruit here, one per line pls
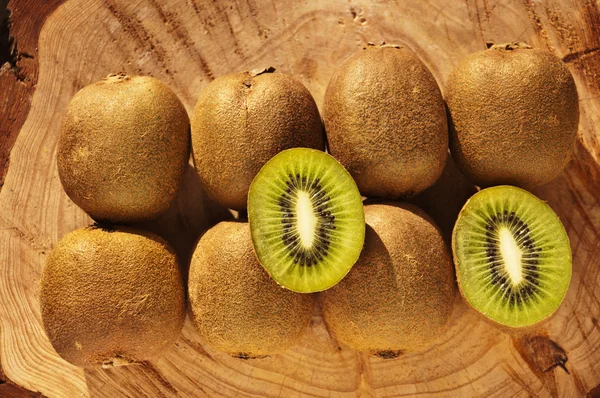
(307, 220)
(514, 113)
(235, 305)
(512, 257)
(111, 297)
(399, 295)
(242, 120)
(123, 148)
(386, 123)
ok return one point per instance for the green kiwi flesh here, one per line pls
(306, 218)
(512, 256)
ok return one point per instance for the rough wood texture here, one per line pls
(18, 67)
(19, 31)
(186, 43)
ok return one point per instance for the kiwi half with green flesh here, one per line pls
(307, 219)
(386, 123)
(512, 256)
(123, 148)
(399, 295)
(514, 113)
(242, 120)
(235, 305)
(111, 297)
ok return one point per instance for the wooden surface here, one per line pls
(18, 67)
(186, 43)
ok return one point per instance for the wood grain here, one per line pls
(19, 72)
(186, 43)
(19, 32)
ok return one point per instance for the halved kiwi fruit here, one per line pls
(512, 256)
(306, 218)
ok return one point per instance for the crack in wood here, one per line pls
(8, 52)
(580, 54)
(10, 56)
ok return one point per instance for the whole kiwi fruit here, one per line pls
(399, 295)
(235, 305)
(514, 114)
(123, 148)
(241, 121)
(386, 123)
(111, 297)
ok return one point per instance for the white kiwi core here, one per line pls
(307, 220)
(511, 255)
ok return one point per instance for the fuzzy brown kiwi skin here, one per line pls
(514, 114)
(234, 304)
(399, 295)
(123, 148)
(517, 332)
(111, 297)
(241, 121)
(386, 122)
